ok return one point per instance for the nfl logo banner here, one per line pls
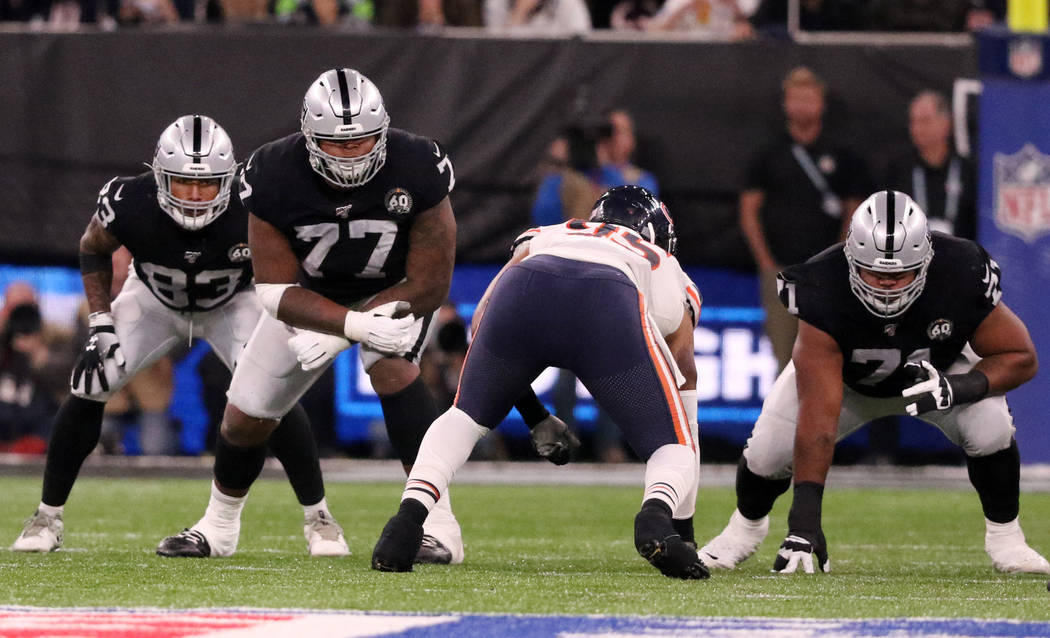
(1013, 203)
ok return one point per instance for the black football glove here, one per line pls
(554, 441)
(101, 363)
(936, 391)
(805, 537)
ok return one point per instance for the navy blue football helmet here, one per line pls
(637, 208)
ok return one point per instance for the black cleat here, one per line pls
(432, 552)
(398, 545)
(189, 543)
(657, 542)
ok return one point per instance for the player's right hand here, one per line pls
(377, 329)
(316, 349)
(554, 441)
(101, 364)
(797, 550)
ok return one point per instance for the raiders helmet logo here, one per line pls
(398, 202)
(939, 330)
(240, 252)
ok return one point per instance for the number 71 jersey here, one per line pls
(351, 243)
(187, 271)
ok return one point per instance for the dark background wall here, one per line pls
(76, 109)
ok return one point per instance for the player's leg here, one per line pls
(292, 442)
(635, 383)
(490, 383)
(266, 384)
(146, 331)
(985, 431)
(408, 410)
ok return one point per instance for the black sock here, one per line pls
(237, 467)
(684, 527)
(408, 414)
(755, 494)
(413, 510)
(74, 435)
(294, 446)
(997, 479)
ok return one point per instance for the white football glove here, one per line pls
(796, 550)
(316, 349)
(377, 329)
(102, 361)
(935, 393)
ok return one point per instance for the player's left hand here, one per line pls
(101, 364)
(933, 391)
(316, 349)
(798, 550)
(554, 441)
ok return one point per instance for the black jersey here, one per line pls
(962, 287)
(188, 271)
(351, 243)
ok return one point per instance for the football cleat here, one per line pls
(658, 543)
(189, 543)
(42, 533)
(737, 542)
(324, 537)
(1006, 546)
(398, 545)
(445, 546)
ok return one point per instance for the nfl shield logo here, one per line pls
(1025, 58)
(1022, 193)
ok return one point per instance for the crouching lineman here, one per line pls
(350, 223)
(895, 321)
(190, 279)
(607, 300)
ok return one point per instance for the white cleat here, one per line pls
(737, 542)
(442, 540)
(1009, 552)
(42, 533)
(324, 537)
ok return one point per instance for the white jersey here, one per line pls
(667, 290)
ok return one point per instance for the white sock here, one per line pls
(1001, 529)
(319, 506)
(445, 448)
(223, 511)
(50, 510)
(687, 505)
(670, 475)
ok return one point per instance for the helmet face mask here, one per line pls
(888, 233)
(343, 105)
(195, 149)
(637, 209)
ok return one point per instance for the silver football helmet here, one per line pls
(343, 105)
(194, 147)
(888, 233)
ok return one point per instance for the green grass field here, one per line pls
(537, 550)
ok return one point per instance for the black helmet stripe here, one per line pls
(344, 94)
(891, 221)
(197, 139)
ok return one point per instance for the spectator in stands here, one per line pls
(16, 294)
(26, 402)
(428, 14)
(940, 181)
(538, 17)
(703, 19)
(570, 183)
(615, 154)
(52, 359)
(796, 198)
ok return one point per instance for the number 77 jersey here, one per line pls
(351, 243)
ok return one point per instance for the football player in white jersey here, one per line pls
(606, 299)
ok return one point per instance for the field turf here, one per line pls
(533, 550)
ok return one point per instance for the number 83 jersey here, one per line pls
(962, 287)
(351, 243)
(187, 271)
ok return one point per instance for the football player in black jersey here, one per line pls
(191, 276)
(349, 225)
(894, 321)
